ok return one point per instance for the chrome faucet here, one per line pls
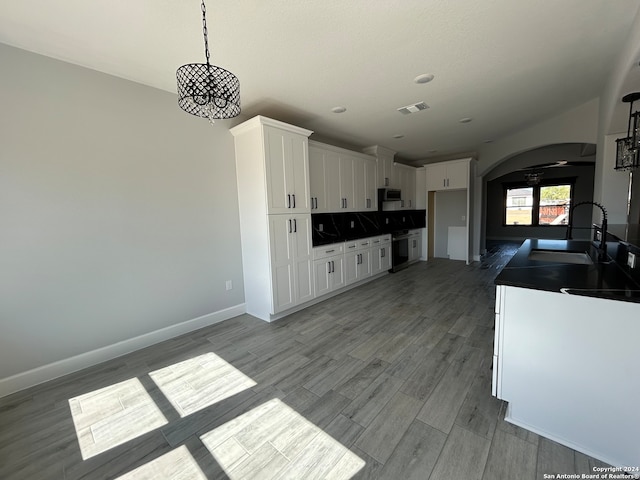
(603, 232)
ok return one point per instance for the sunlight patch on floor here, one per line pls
(200, 382)
(178, 464)
(274, 441)
(113, 415)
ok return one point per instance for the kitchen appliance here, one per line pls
(389, 195)
(389, 199)
(399, 250)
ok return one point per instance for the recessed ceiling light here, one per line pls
(488, 141)
(338, 109)
(398, 135)
(424, 78)
(465, 120)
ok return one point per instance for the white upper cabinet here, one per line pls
(386, 172)
(272, 162)
(316, 180)
(370, 184)
(421, 188)
(406, 177)
(364, 174)
(287, 166)
(447, 175)
(341, 180)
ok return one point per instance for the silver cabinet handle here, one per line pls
(383, 253)
(295, 225)
(352, 246)
(329, 251)
(444, 182)
(294, 200)
(333, 266)
(328, 267)
(289, 225)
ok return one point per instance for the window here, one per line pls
(519, 206)
(544, 204)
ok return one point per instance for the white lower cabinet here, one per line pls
(341, 264)
(380, 254)
(328, 268)
(357, 260)
(415, 245)
(291, 261)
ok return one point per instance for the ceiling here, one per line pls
(505, 64)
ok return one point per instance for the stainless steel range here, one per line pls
(400, 250)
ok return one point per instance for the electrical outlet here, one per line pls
(464, 217)
(229, 285)
(632, 260)
(353, 224)
(320, 227)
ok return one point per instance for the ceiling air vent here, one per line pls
(416, 107)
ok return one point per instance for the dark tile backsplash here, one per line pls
(339, 227)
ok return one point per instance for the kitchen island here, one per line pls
(565, 350)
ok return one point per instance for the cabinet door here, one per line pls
(347, 190)
(337, 275)
(385, 257)
(279, 169)
(421, 189)
(364, 268)
(322, 276)
(303, 255)
(282, 256)
(317, 180)
(299, 184)
(413, 248)
(410, 200)
(457, 175)
(287, 170)
(386, 172)
(436, 177)
(332, 182)
(370, 185)
(351, 267)
(359, 185)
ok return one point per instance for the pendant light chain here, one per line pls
(205, 31)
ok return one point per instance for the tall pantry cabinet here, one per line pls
(272, 168)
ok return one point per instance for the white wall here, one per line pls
(119, 215)
(578, 125)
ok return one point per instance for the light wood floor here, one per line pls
(389, 380)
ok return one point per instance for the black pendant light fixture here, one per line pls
(628, 148)
(205, 90)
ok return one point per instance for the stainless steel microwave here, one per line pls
(389, 195)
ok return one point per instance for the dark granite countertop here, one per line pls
(602, 280)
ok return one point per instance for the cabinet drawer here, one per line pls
(357, 245)
(328, 250)
(381, 240)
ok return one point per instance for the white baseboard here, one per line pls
(42, 374)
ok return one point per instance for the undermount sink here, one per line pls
(556, 256)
